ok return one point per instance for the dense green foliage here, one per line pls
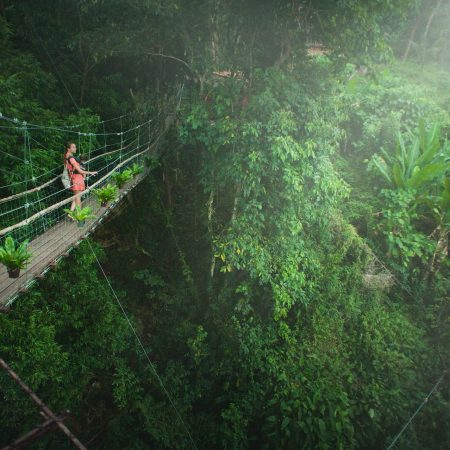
(284, 264)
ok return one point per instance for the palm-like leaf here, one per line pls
(417, 164)
(12, 257)
(428, 173)
(80, 214)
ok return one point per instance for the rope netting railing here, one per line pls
(32, 197)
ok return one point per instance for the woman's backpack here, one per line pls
(66, 177)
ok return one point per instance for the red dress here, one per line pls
(76, 178)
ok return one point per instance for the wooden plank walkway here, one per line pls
(48, 248)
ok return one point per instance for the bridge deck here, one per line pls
(48, 247)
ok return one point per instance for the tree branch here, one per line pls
(174, 58)
(430, 19)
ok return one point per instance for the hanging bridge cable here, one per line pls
(11, 156)
(126, 142)
(425, 400)
(89, 157)
(105, 167)
(104, 131)
(121, 139)
(65, 130)
(138, 144)
(25, 145)
(7, 186)
(25, 138)
(21, 223)
(163, 387)
(30, 159)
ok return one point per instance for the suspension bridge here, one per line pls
(32, 203)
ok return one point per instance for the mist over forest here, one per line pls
(278, 277)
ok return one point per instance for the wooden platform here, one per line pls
(48, 248)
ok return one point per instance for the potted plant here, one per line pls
(106, 194)
(14, 258)
(136, 169)
(80, 214)
(121, 178)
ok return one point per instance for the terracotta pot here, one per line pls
(14, 273)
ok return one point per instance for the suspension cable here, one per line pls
(425, 400)
(163, 387)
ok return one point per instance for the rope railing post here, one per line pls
(121, 138)
(138, 143)
(104, 133)
(25, 146)
(89, 157)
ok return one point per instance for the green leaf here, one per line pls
(398, 175)
(427, 174)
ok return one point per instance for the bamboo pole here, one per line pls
(29, 191)
(42, 406)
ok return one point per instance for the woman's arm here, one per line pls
(77, 167)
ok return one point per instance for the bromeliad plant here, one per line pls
(412, 166)
(419, 187)
(80, 214)
(120, 178)
(136, 169)
(14, 258)
(106, 194)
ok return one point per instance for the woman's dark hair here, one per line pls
(69, 143)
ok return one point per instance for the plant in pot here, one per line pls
(121, 178)
(136, 169)
(14, 258)
(106, 194)
(80, 214)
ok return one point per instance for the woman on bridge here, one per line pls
(76, 173)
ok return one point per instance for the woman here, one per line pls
(76, 174)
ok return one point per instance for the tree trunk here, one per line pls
(210, 230)
(168, 190)
(83, 85)
(430, 18)
(410, 40)
(235, 204)
(285, 53)
(441, 251)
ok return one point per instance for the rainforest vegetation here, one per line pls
(285, 263)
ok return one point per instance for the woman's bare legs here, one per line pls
(76, 201)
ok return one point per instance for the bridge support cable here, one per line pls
(424, 402)
(144, 351)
